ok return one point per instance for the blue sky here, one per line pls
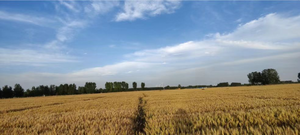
(156, 42)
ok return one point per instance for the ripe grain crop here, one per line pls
(273, 109)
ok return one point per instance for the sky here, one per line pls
(159, 42)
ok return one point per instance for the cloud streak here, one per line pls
(31, 57)
(40, 21)
(270, 28)
(80, 17)
(133, 10)
(100, 7)
(261, 39)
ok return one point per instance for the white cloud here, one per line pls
(270, 28)
(279, 57)
(239, 20)
(188, 50)
(245, 37)
(114, 69)
(256, 44)
(128, 72)
(141, 9)
(54, 45)
(31, 57)
(69, 29)
(41, 21)
(64, 34)
(112, 46)
(75, 21)
(71, 5)
(105, 73)
(51, 52)
(100, 7)
(239, 49)
(233, 71)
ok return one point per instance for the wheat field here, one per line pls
(273, 109)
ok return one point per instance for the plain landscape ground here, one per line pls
(272, 109)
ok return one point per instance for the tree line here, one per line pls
(65, 89)
(122, 86)
(45, 90)
(116, 86)
(267, 76)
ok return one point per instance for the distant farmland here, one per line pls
(273, 109)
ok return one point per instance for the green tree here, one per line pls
(142, 85)
(37, 91)
(235, 84)
(32, 93)
(179, 86)
(60, 89)
(298, 77)
(255, 78)
(270, 76)
(90, 87)
(134, 85)
(27, 93)
(109, 86)
(52, 89)
(123, 84)
(46, 90)
(7, 92)
(223, 84)
(72, 89)
(40, 90)
(251, 78)
(19, 91)
(81, 90)
(65, 89)
(126, 86)
(1, 93)
(117, 86)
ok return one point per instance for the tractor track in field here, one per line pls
(139, 120)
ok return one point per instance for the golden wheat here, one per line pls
(273, 109)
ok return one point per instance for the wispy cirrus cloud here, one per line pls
(67, 31)
(253, 37)
(183, 51)
(77, 18)
(100, 7)
(113, 69)
(17, 17)
(70, 19)
(89, 8)
(40, 54)
(32, 57)
(133, 10)
(71, 5)
(270, 28)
